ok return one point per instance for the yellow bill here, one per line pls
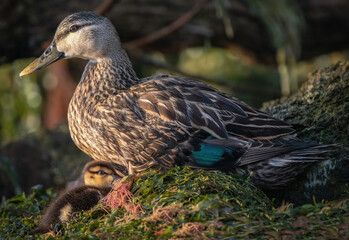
(50, 55)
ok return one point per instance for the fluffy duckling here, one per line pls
(98, 179)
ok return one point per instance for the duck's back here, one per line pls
(197, 106)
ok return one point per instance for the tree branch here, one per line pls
(166, 30)
(105, 6)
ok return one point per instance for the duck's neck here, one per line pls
(110, 74)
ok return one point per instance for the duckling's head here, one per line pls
(84, 35)
(99, 174)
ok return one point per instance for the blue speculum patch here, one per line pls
(210, 154)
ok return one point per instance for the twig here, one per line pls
(166, 30)
(105, 6)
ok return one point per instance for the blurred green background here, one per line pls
(21, 100)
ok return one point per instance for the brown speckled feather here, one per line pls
(195, 105)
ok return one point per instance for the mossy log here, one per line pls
(321, 108)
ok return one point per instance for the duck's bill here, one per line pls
(50, 55)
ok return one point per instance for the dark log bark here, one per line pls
(25, 25)
(321, 106)
(49, 158)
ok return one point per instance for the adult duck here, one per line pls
(164, 120)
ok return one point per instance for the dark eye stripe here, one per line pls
(64, 32)
(98, 172)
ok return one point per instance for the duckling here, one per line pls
(98, 179)
(90, 169)
(162, 121)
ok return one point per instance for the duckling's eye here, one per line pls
(73, 28)
(101, 172)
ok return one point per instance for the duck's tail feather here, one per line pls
(278, 171)
(306, 155)
(286, 151)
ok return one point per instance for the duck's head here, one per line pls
(100, 174)
(84, 35)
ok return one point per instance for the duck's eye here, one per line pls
(101, 172)
(74, 28)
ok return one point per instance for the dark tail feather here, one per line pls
(313, 154)
(286, 152)
(278, 171)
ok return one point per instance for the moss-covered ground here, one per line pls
(184, 204)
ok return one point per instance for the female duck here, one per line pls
(164, 120)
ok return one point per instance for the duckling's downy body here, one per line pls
(164, 120)
(98, 178)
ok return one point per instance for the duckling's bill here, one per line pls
(115, 179)
(50, 55)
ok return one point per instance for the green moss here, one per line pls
(20, 214)
(321, 105)
(184, 203)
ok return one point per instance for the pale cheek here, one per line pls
(78, 45)
(70, 46)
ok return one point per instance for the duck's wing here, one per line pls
(194, 105)
(212, 153)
